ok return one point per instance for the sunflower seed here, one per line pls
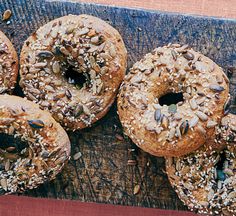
(171, 134)
(174, 54)
(203, 203)
(184, 127)
(6, 15)
(231, 195)
(172, 108)
(40, 64)
(64, 51)
(56, 67)
(227, 106)
(3, 183)
(136, 189)
(178, 165)
(11, 148)
(83, 31)
(95, 40)
(216, 88)
(228, 172)
(219, 79)
(68, 94)
(7, 165)
(45, 54)
(211, 124)
(193, 121)
(78, 110)
(77, 156)
(177, 116)
(188, 56)
(202, 115)
(36, 124)
(201, 101)
(157, 115)
(193, 104)
(86, 110)
(201, 129)
(165, 122)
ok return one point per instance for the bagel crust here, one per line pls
(8, 65)
(89, 47)
(33, 146)
(176, 129)
(206, 180)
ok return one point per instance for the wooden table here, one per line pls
(20, 205)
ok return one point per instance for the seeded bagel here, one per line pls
(8, 65)
(177, 126)
(33, 146)
(206, 180)
(73, 67)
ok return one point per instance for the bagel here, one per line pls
(206, 180)
(171, 100)
(73, 67)
(33, 146)
(8, 65)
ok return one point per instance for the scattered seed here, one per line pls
(119, 137)
(171, 134)
(220, 175)
(184, 127)
(136, 189)
(202, 115)
(77, 156)
(131, 162)
(7, 165)
(11, 148)
(193, 104)
(40, 64)
(193, 121)
(6, 15)
(3, 183)
(188, 55)
(172, 108)
(211, 124)
(216, 88)
(157, 115)
(227, 106)
(36, 124)
(68, 94)
(228, 172)
(165, 122)
(45, 54)
(56, 67)
(219, 79)
(78, 110)
(174, 54)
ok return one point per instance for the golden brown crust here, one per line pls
(205, 180)
(8, 65)
(180, 128)
(33, 146)
(92, 48)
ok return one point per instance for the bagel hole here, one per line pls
(171, 98)
(76, 78)
(220, 165)
(10, 145)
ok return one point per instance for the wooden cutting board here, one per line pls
(110, 168)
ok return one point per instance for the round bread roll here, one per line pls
(206, 180)
(8, 65)
(171, 100)
(33, 146)
(73, 67)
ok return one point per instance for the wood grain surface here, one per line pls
(103, 174)
(217, 8)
